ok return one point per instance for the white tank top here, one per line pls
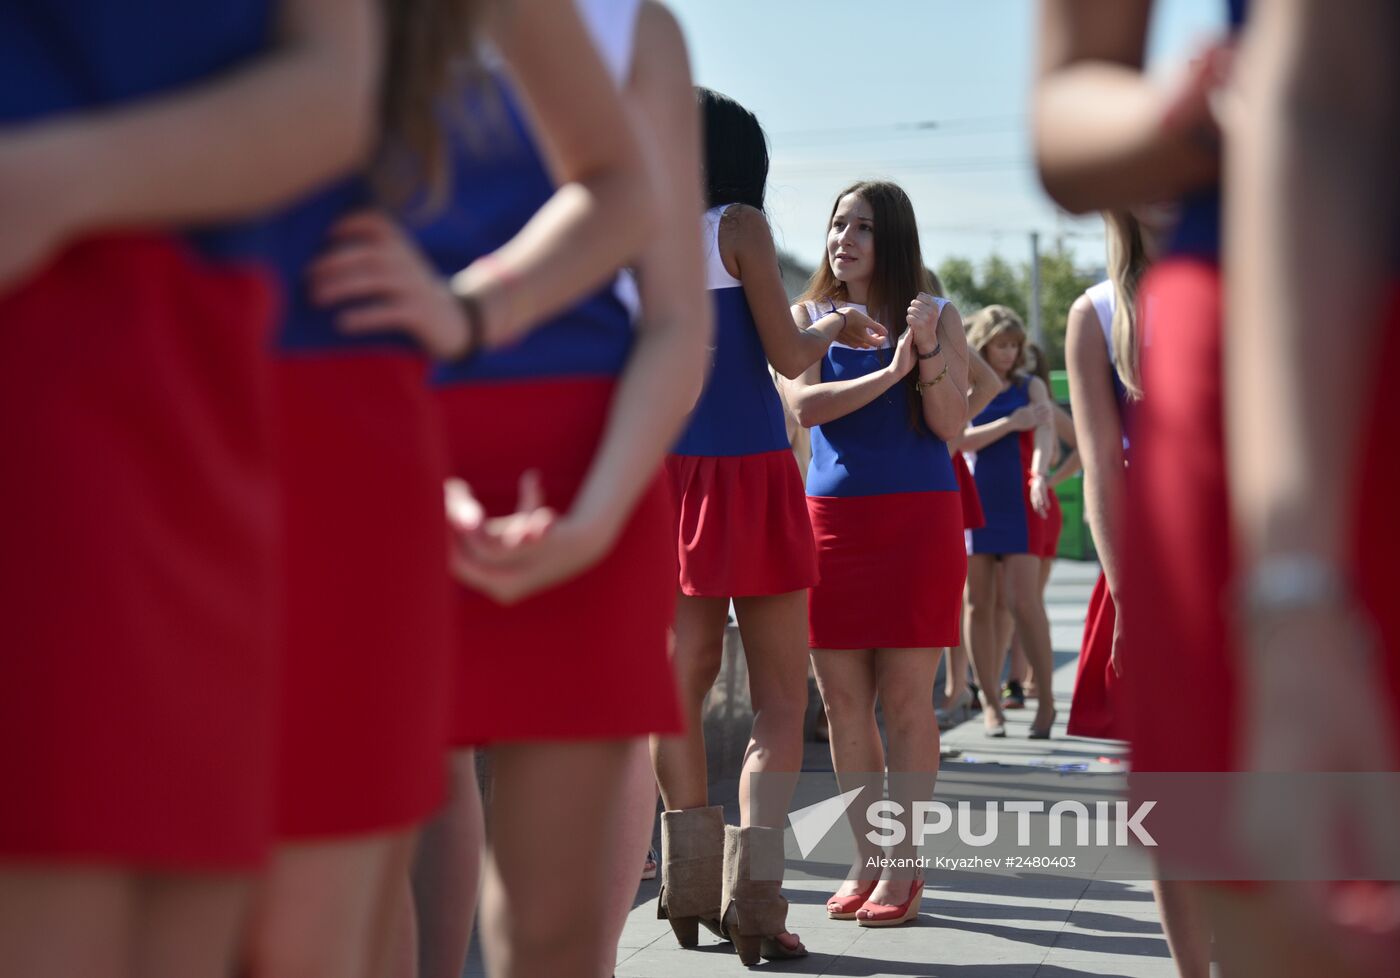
(1105, 298)
(716, 275)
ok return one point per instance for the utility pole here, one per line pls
(1037, 333)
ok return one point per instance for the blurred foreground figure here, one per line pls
(1312, 243)
(139, 558)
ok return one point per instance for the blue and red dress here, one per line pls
(888, 519)
(742, 524)
(1002, 472)
(367, 626)
(973, 516)
(586, 659)
(1181, 642)
(138, 570)
(1097, 708)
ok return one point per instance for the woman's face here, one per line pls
(1002, 352)
(850, 241)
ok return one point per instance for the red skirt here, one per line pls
(368, 603)
(1179, 651)
(587, 659)
(138, 571)
(973, 517)
(1096, 709)
(1051, 525)
(741, 525)
(892, 571)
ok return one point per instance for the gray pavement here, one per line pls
(972, 925)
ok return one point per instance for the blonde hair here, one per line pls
(1127, 262)
(989, 322)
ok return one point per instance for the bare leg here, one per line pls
(1006, 628)
(774, 630)
(320, 910)
(1185, 925)
(1023, 581)
(624, 870)
(905, 680)
(981, 629)
(188, 926)
(1255, 938)
(847, 682)
(681, 768)
(955, 678)
(56, 922)
(1020, 667)
(556, 819)
(447, 875)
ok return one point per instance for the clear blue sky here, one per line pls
(840, 84)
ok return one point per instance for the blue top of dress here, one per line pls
(875, 450)
(739, 412)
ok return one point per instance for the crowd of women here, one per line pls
(358, 360)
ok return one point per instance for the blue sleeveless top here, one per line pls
(496, 188)
(65, 56)
(739, 412)
(1000, 471)
(1198, 229)
(874, 451)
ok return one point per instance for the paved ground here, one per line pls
(972, 925)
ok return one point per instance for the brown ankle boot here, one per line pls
(692, 867)
(755, 911)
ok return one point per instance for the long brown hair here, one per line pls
(430, 47)
(899, 274)
(989, 322)
(1127, 262)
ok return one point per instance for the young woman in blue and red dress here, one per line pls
(1315, 568)
(1009, 446)
(887, 515)
(557, 432)
(743, 530)
(1063, 465)
(368, 602)
(138, 577)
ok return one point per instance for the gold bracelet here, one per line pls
(920, 386)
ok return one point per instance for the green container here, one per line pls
(1076, 543)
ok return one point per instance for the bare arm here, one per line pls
(1044, 433)
(1310, 168)
(985, 384)
(1064, 431)
(814, 402)
(230, 146)
(248, 140)
(1100, 136)
(592, 224)
(747, 241)
(945, 403)
(597, 220)
(1099, 434)
(665, 373)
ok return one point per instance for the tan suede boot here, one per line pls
(692, 866)
(755, 910)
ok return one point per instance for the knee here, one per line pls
(982, 609)
(906, 712)
(846, 706)
(697, 664)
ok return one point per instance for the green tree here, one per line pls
(998, 281)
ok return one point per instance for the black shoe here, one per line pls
(976, 704)
(1015, 698)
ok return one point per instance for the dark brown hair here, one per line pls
(899, 274)
(430, 48)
